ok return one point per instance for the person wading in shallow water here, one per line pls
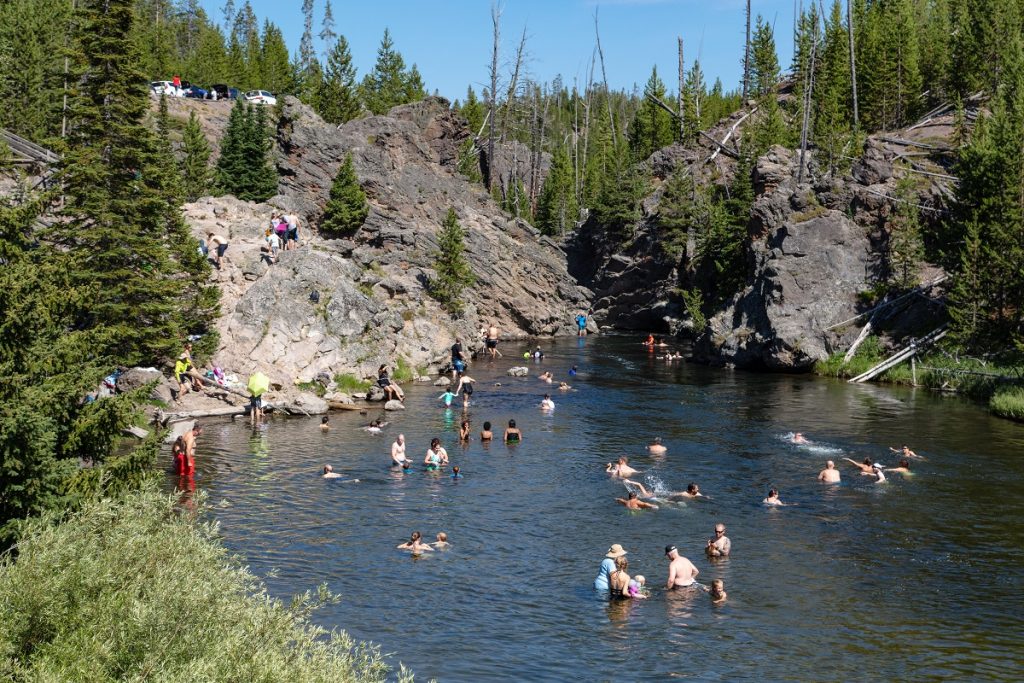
(681, 572)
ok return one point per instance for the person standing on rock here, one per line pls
(218, 245)
(272, 244)
(292, 234)
(581, 325)
(491, 340)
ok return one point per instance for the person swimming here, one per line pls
(621, 468)
(879, 474)
(906, 452)
(866, 467)
(717, 592)
(415, 544)
(456, 472)
(904, 468)
(442, 540)
(329, 473)
(546, 403)
(562, 386)
(324, 426)
(773, 498)
(375, 427)
(512, 433)
(486, 434)
(655, 447)
(546, 377)
(573, 371)
(633, 502)
(799, 438)
(447, 397)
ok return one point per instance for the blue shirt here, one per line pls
(607, 567)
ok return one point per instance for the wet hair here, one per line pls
(435, 442)
(905, 463)
(867, 461)
(719, 584)
(416, 536)
(455, 468)
(465, 423)
(405, 465)
(442, 536)
(487, 426)
(691, 487)
(512, 423)
(547, 395)
(328, 468)
(623, 459)
(632, 495)
(773, 492)
(323, 420)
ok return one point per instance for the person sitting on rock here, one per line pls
(391, 389)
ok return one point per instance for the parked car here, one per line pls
(224, 91)
(162, 88)
(196, 92)
(260, 97)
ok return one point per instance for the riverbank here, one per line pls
(1000, 387)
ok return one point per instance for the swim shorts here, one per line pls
(492, 343)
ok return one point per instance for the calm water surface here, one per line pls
(919, 578)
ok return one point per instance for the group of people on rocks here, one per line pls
(281, 234)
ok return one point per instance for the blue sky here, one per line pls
(450, 40)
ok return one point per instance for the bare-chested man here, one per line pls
(829, 475)
(866, 467)
(188, 440)
(620, 469)
(398, 450)
(681, 572)
(634, 503)
(491, 340)
(906, 452)
(656, 448)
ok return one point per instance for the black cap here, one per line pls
(669, 548)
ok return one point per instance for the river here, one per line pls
(921, 577)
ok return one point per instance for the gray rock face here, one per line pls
(375, 393)
(301, 404)
(807, 276)
(345, 306)
(135, 378)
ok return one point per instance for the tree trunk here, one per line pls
(490, 168)
(746, 59)
(682, 89)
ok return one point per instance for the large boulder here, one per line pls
(375, 393)
(807, 276)
(135, 378)
(394, 405)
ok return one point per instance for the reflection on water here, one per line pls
(914, 578)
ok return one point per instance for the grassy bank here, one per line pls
(969, 377)
(139, 589)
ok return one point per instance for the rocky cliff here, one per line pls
(347, 305)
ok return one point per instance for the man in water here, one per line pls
(829, 475)
(188, 440)
(655, 447)
(398, 450)
(621, 469)
(329, 473)
(681, 572)
(546, 403)
(491, 340)
(692, 491)
(904, 468)
(799, 438)
(866, 467)
(458, 359)
(906, 452)
(634, 503)
(720, 545)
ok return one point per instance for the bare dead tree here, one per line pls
(853, 64)
(682, 89)
(808, 90)
(746, 58)
(510, 96)
(489, 170)
(587, 107)
(604, 78)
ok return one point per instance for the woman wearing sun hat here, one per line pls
(608, 566)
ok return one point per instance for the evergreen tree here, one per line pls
(327, 34)
(621, 187)
(195, 170)
(675, 218)
(831, 109)
(389, 84)
(694, 102)
(307, 53)
(347, 209)
(244, 169)
(556, 207)
(652, 128)
(474, 111)
(275, 69)
(906, 251)
(122, 228)
(338, 99)
(453, 271)
(209, 63)
(765, 61)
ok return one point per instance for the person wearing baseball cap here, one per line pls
(608, 566)
(681, 572)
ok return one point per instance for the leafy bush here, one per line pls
(136, 589)
(403, 371)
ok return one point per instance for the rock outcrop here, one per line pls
(345, 306)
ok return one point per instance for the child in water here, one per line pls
(637, 588)
(324, 426)
(456, 474)
(448, 397)
(442, 540)
(717, 592)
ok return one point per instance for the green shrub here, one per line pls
(403, 371)
(1008, 402)
(350, 383)
(312, 387)
(136, 589)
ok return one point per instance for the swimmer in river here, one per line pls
(645, 493)
(398, 451)
(906, 452)
(546, 403)
(799, 438)
(486, 434)
(573, 371)
(655, 447)
(329, 473)
(456, 472)
(546, 377)
(692, 491)
(866, 467)
(717, 592)
(562, 386)
(621, 468)
(903, 469)
(442, 540)
(375, 427)
(512, 433)
(632, 502)
(829, 475)
(464, 431)
(415, 544)
(879, 474)
(324, 424)
(436, 455)
(773, 499)
(649, 341)
(681, 572)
